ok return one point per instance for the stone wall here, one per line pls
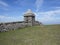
(6, 27)
(15, 25)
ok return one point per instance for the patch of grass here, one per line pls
(36, 35)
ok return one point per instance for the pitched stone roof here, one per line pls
(29, 13)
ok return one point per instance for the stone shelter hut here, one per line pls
(29, 20)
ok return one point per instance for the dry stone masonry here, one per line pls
(29, 20)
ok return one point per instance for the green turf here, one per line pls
(36, 35)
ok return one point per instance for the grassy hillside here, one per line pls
(36, 35)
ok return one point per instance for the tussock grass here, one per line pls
(36, 35)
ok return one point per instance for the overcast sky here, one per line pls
(46, 11)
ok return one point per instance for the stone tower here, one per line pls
(29, 18)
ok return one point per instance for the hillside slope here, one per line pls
(36, 35)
